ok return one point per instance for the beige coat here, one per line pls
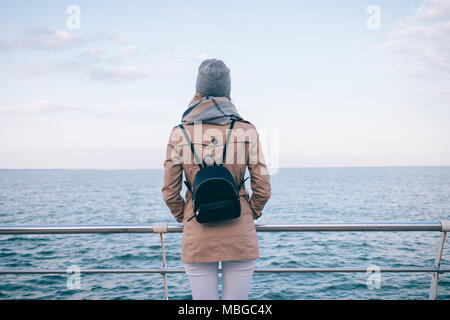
(234, 239)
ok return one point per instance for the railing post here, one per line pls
(434, 286)
(162, 228)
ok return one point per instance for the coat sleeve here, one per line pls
(173, 181)
(259, 178)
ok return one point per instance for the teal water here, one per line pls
(394, 194)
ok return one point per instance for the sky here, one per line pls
(326, 83)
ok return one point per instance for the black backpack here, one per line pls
(215, 195)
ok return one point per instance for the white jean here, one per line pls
(236, 279)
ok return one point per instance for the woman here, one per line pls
(232, 242)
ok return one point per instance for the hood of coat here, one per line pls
(213, 110)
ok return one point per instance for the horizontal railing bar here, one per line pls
(282, 270)
(76, 229)
(64, 229)
(392, 226)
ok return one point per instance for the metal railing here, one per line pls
(160, 228)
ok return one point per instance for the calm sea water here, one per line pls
(397, 194)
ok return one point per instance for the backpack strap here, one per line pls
(186, 135)
(187, 184)
(242, 183)
(224, 155)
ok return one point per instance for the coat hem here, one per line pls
(226, 258)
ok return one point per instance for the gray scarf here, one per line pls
(213, 110)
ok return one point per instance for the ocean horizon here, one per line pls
(294, 167)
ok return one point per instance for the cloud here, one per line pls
(166, 60)
(203, 56)
(80, 63)
(92, 62)
(118, 62)
(128, 51)
(93, 67)
(422, 40)
(117, 75)
(434, 9)
(93, 54)
(36, 107)
(43, 39)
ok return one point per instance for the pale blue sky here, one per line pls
(335, 92)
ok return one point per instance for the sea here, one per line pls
(299, 195)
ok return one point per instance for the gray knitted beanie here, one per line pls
(213, 79)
